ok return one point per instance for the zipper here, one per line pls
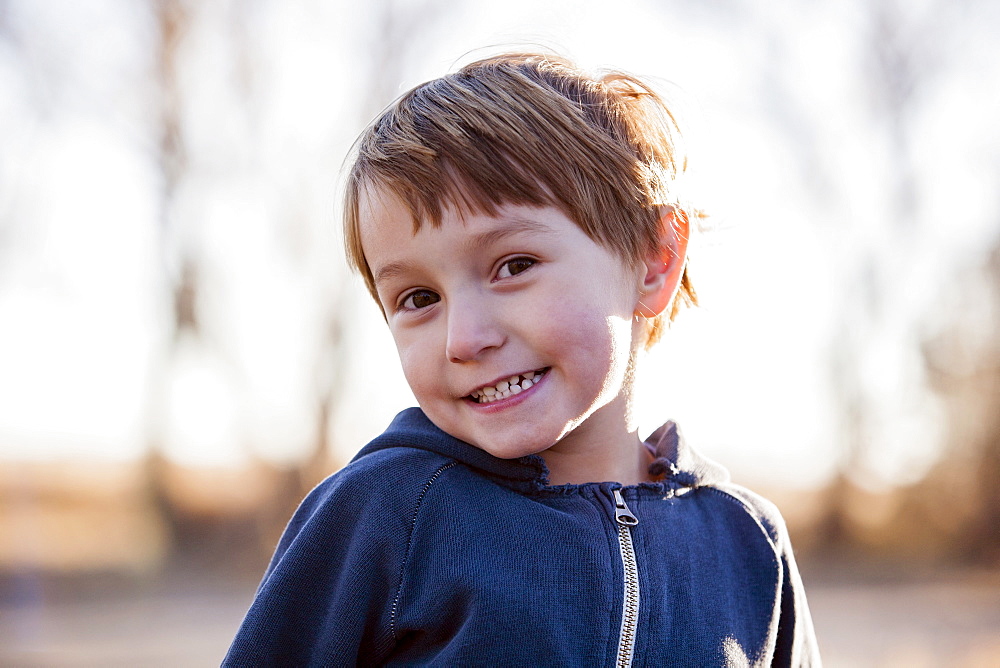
(630, 601)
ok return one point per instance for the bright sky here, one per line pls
(789, 157)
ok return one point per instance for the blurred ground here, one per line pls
(861, 620)
(172, 622)
(866, 619)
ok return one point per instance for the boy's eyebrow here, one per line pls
(391, 270)
(510, 227)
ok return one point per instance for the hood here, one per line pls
(674, 459)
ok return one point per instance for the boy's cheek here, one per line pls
(419, 364)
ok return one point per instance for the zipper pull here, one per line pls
(623, 515)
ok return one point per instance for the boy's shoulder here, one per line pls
(369, 506)
(392, 472)
(690, 467)
(388, 476)
(762, 510)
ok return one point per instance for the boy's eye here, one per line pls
(419, 299)
(514, 267)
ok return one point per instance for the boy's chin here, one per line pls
(504, 439)
(511, 449)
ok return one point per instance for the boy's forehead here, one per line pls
(384, 214)
(384, 218)
(376, 205)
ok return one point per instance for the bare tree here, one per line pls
(171, 20)
(964, 365)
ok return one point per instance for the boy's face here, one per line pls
(524, 296)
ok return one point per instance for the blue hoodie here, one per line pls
(427, 550)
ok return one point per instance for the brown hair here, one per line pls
(535, 130)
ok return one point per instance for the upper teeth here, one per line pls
(507, 387)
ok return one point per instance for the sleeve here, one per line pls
(796, 643)
(327, 594)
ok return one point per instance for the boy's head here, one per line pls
(528, 129)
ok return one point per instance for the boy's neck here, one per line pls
(624, 461)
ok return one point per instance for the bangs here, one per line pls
(475, 142)
(478, 186)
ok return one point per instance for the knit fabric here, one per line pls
(427, 550)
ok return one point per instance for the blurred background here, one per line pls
(183, 353)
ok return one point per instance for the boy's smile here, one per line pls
(506, 387)
(515, 332)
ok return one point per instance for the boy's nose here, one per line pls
(472, 331)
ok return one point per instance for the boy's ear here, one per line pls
(665, 267)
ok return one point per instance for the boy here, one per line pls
(518, 224)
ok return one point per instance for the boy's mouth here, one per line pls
(507, 387)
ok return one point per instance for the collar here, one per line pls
(674, 459)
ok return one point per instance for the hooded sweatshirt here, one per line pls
(425, 550)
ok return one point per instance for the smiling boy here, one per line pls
(519, 226)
